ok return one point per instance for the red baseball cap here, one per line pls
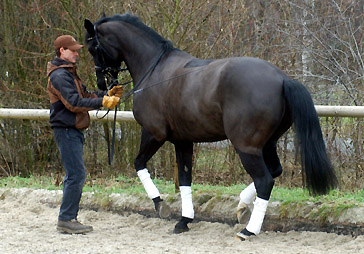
(67, 41)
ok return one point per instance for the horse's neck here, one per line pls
(139, 62)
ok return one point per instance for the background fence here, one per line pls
(105, 116)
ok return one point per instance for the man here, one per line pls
(69, 117)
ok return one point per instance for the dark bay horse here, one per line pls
(182, 99)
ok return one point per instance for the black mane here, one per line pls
(135, 21)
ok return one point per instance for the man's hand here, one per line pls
(110, 101)
(116, 91)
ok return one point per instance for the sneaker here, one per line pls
(72, 227)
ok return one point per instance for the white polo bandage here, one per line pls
(257, 217)
(148, 184)
(247, 196)
(187, 204)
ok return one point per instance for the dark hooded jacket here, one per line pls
(70, 101)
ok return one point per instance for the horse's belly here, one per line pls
(197, 129)
(197, 137)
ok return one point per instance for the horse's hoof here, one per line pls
(178, 229)
(244, 235)
(163, 210)
(243, 213)
(181, 226)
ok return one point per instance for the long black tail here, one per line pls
(319, 173)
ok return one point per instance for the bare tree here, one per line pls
(319, 43)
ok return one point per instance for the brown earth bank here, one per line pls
(128, 224)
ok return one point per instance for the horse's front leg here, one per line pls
(184, 151)
(148, 147)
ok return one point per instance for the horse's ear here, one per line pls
(89, 27)
(103, 15)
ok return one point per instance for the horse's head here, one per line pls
(106, 58)
(112, 40)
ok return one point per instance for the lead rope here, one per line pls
(110, 149)
(111, 153)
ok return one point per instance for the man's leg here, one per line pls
(70, 143)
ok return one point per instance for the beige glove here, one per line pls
(116, 91)
(110, 101)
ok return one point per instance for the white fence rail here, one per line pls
(340, 111)
(43, 114)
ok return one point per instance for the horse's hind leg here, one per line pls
(248, 195)
(271, 158)
(148, 147)
(263, 182)
(184, 151)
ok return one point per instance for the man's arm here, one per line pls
(66, 91)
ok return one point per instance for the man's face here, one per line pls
(69, 55)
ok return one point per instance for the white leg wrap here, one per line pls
(148, 184)
(187, 205)
(257, 217)
(248, 194)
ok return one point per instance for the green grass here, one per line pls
(133, 186)
(30, 182)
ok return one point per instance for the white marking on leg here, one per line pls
(247, 196)
(148, 184)
(257, 217)
(187, 204)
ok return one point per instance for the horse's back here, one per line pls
(247, 78)
(233, 84)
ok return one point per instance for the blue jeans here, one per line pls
(70, 144)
